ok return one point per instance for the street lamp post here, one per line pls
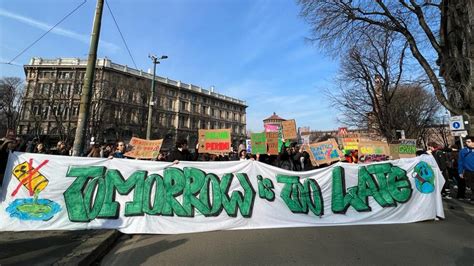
(151, 102)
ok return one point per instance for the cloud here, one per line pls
(84, 38)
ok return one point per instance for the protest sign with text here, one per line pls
(324, 152)
(289, 129)
(259, 143)
(214, 140)
(273, 141)
(144, 149)
(350, 141)
(373, 151)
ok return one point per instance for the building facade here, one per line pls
(274, 119)
(119, 106)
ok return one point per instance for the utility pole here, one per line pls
(151, 102)
(84, 107)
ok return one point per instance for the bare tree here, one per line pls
(434, 31)
(11, 93)
(371, 93)
(59, 103)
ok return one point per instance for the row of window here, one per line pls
(50, 74)
(58, 89)
(60, 110)
(195, 108)
(194, 123)
(133, 116)
(197, 99)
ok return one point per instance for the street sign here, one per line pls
(456, 123)
(459, 133)
(342, 131)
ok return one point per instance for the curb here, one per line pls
(90, 251)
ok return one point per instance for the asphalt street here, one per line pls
(446, 242)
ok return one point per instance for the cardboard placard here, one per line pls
(394, 155)
(272, 127)
(272, 142)
(373, 151)
(214, 141)
(289, 129)
(324, 152)
(259, 143)
(405, 149)
(350, 142)
(305, 139)
(144, 149)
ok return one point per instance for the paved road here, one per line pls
(448, 242)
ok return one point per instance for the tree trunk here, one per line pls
(457, 58)
(470, 127)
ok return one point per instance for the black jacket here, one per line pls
(183, 155)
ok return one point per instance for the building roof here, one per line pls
(274, 117)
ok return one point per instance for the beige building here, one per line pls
(120, 104)
(274, 119)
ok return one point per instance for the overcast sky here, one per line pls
(254, 50)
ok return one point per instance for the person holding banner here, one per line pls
(182, 153)
(243, 156)
(301, 159)
(119, 151)
(466, 164)
(442, 160)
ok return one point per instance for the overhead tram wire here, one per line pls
(44, 34)
(11, 64)
(121, 35)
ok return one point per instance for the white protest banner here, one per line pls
(47, 192)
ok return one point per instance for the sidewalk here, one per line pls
(55, 247)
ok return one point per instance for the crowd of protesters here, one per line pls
(457, 166)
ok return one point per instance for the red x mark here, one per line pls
(29, 178)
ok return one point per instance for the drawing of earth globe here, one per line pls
(31, 209)
(424, 178)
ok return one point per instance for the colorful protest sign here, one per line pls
(248, 145)
(350, 142)
(214, 140)
(272, 127)
(144, 149)
(259, 143)
(324, 152)
(273, 142)
(373, 151)
(289, 129)
(47, 192)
